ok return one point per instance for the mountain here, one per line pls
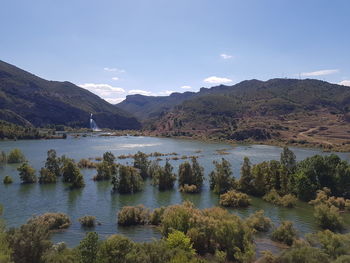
(150, 107)
(301, 111)
(26, 99)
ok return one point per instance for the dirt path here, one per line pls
(309, 138)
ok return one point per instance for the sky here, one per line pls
(154, 47)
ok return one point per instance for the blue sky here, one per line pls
(154, 47)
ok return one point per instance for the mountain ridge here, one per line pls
(28, 99)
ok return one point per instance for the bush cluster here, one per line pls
(234, 199)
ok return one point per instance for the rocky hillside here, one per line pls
(300, 111)
(29, 100)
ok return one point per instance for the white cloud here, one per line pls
(115, 100)
(186, 87)
(114, 70)
(165, 93)
(225, 56)
(105, 91)
(217, 80)
(345, 83)
(319, 73)
(115, 78)
(140, 91)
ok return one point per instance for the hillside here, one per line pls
(26, 99)
(285, 110)
(149, 107)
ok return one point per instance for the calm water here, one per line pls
(22, 201)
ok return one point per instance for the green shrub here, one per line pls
(7, 179)
(53, 221)
(234, 199)
(86, 164)
(328, 217)
(133, 215)
(178, 239)
(142, 163)
(156, 216)
(87, 221)
(47, 177)
(259, 222)
(3, 158)
(288, 201)
(334, 245)
(88, 248)
(15, 156)
(191, 189)
(27, 173)
(71, 174)
(191, 174)
(115, 248)
(303, 254)
(285, 233)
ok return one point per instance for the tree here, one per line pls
(71, 174)
(115, 249)
(105, 171)
(15, 156)
(288, 160)
(3, 158)
(164, 177)
(27, 173)
(5, 251)
(191, 175)
(46, 176)
(221, 179)
(52, 163)
(88, 248)
(127, 180)
(109, 158)
(246, 180)
(141, 162)
(29, 242)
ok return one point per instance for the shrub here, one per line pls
(3, 158)
(156, 216)
(105, 171)
(288, 201)
(328, 217)
(7, 179)
(27, 173)
(86, 164)
(115, 249)
(46, 176)
(71, 174)
(334, 245)
(54, 221)
(234, 199)
(285, 233)
(259, 222)
(191, 189)
(15, 156)
(133, 215)
(303, 254)
(178, 239)
(87, 221)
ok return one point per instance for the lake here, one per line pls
(22, 201)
